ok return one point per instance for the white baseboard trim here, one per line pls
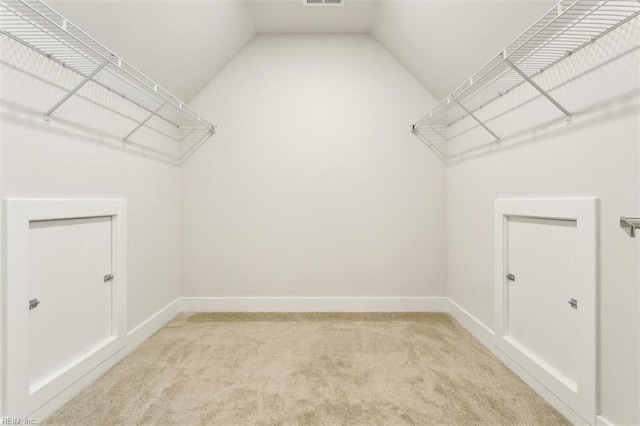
(601, 421)
(309, 304)
(55, 403)
(487, 337)
(152, 324)
(136, 336)
(314, 304)
(474, 326)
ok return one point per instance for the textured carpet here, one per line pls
(309, 369)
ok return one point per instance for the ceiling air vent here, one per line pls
(323, 2)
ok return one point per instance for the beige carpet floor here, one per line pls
(309, 369)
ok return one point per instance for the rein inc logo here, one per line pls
(16, 421)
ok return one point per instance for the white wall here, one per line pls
(595, 156)
(453, 35)
(160, 37)
(64, 160)
(313, 185)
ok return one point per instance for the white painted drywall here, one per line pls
(179, 44)
(442, 43)
(314, 185)
(183, 44)
(67, 161)
(596, 156)
(295, 17)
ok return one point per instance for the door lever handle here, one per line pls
(108, 278)
(511, 277)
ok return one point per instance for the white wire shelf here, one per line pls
(39, 27)
(566, 28)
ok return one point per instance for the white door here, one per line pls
(62, 318)
(546, 277)
(68, 262)
(542, 293)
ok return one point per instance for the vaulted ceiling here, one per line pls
(183, 44)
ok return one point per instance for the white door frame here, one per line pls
(584, 211)
(19, 399)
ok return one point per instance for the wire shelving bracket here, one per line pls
(566, 28)
(34, 24)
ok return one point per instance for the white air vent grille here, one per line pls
(323, 2)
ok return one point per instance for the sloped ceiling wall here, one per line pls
(443, 43)
(183, 44)
(287, 17)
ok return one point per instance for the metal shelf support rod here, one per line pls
(188, 134)
(74, 90)
(430, 145)
(66, 66)
(461, 90)
(484, 126)
(438, 133)
(143, 122)
(197, 145)
(547, 66)
(538, 88)
(167, 95)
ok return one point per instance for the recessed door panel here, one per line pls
(545, 292)
(68, 261)
(540, 317)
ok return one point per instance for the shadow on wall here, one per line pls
(93, 113)
(26, 117)
(596, 84)
(611, 109)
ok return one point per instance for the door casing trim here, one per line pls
(18, 399)
(585, 212)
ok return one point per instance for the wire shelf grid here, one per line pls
(39, 27)
(566, 28)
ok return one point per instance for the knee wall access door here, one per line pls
(545, 281)
(542, 292)
(72, 297)
(64, 295)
